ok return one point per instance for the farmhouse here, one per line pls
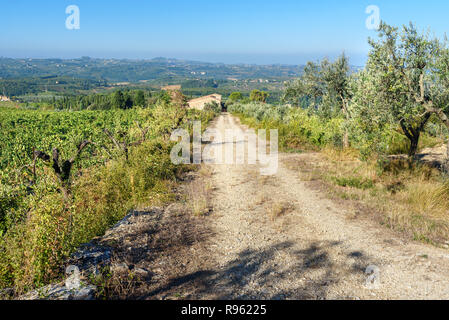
(200, 103)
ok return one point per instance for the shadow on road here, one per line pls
(254, 275)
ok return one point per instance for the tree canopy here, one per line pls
(258, 96)
(404, 82)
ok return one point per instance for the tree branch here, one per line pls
(109, 134)
(82, 145)
(406, 129)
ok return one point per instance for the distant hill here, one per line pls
(163, 69)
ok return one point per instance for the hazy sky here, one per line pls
(229, 31)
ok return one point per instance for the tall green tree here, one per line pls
(326, 89)
(235, 96)
(139, 99)
(128, 100)
(118, 100)
(259, 96)
(406, 78)
(336, 77)
(309, 87)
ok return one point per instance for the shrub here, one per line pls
(296, 127)
(354, 182)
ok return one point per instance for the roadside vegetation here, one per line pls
(370, 127)
(66, 177)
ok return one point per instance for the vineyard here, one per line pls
(68, 176)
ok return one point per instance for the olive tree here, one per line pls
(235, 96)
(259, 96)
(439, 91)
(309, 86)
(406, 74)
(325, 87)
(338, 94)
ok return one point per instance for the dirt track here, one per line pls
(275, 238)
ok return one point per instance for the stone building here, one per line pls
(200, 103)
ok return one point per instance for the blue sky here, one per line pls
(229, 31)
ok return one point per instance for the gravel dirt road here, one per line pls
(273, 237)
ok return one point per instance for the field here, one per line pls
(37, 80)
(68, 176)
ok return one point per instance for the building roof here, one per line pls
(214, 96)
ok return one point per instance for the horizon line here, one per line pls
(320, 57)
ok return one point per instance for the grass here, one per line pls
(408, 197)
(9, 104)
(198, 200)
(115, 285)
(199, 190)
(354, 182)
(278, 209)
(261, 198)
